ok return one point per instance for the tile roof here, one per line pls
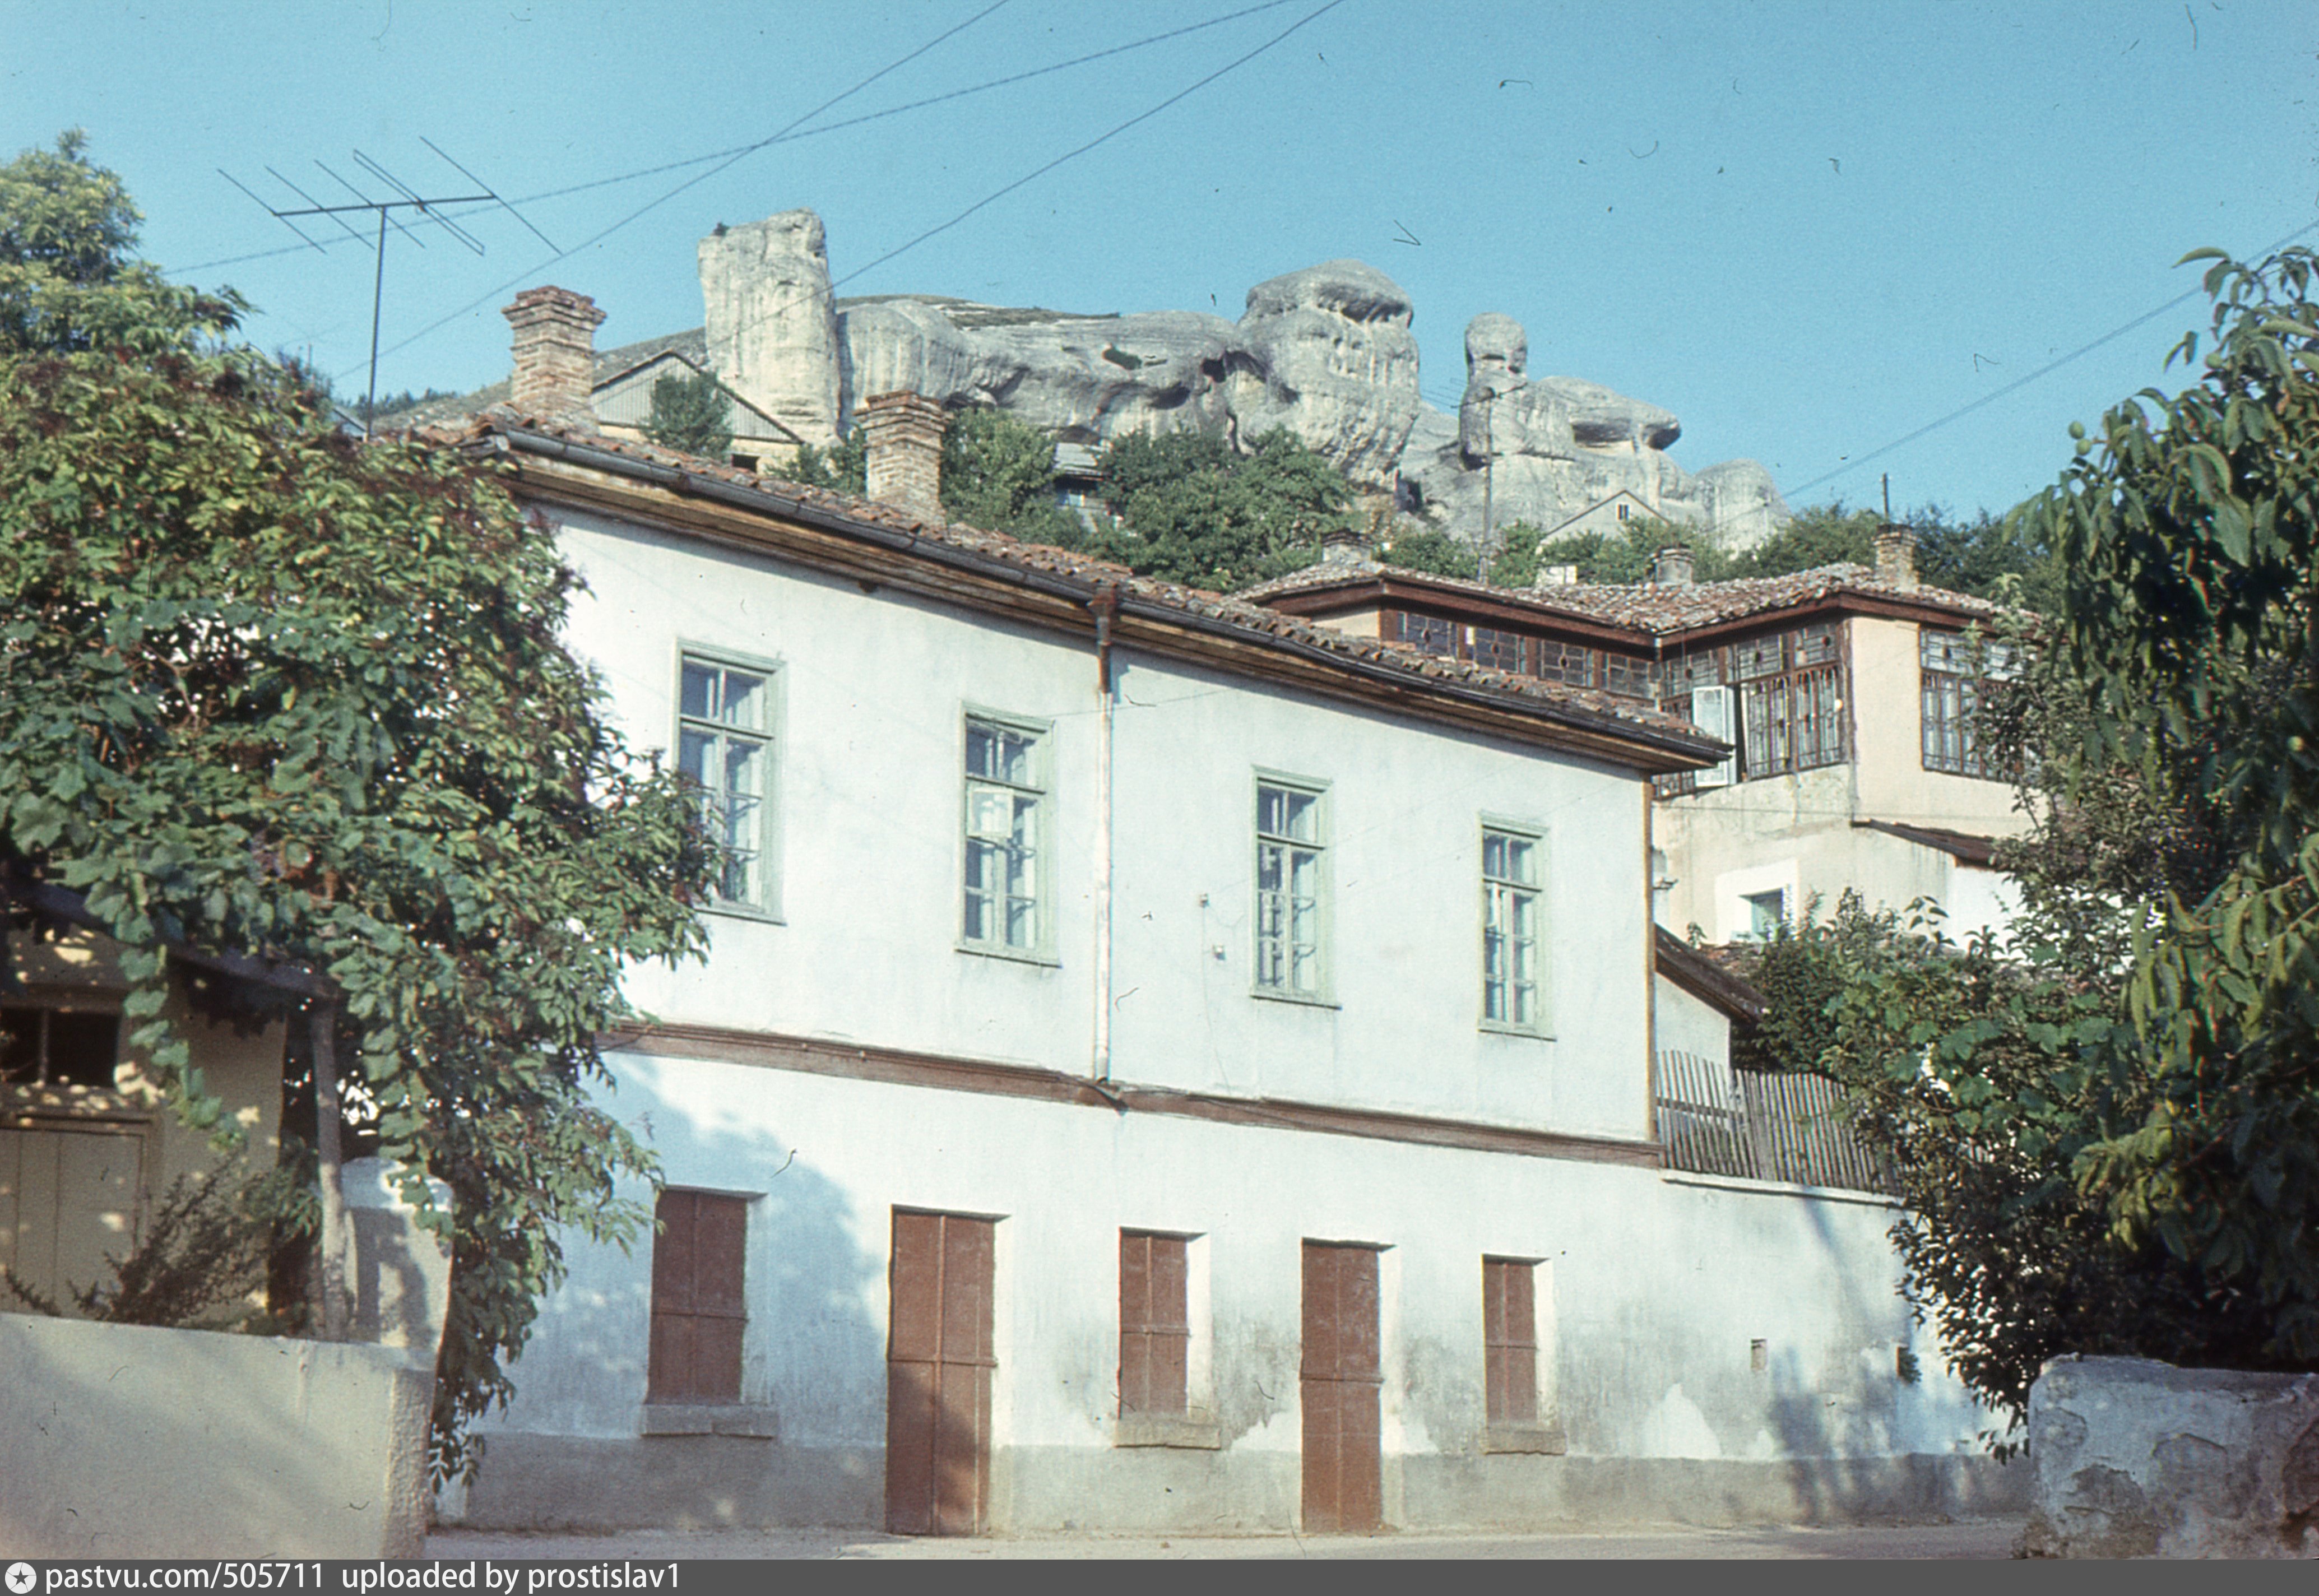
(1605, 712)
(1645, 608)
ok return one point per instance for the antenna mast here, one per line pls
(428, 210)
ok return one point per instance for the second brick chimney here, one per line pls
(555, 353)
(904, 434)
(1896, 557)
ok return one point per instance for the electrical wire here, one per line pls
(652, 205)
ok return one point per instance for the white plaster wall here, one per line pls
(874, 689)
(1687, 1026)
(1661, 1283)
(1888, 726)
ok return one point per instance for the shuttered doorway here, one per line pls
(1343, 1469)
(938, 1367)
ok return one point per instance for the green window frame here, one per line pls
(1292, 890)
(1513, 939)
(725, 719)
(1006, 905)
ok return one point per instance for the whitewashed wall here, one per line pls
(873, 691)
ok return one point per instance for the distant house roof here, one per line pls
(1252, 638)
(1630, 493)
(1696, 973)
(1965, 847)
(1648, 610)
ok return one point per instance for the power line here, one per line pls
(599, 237)
(2020, 382)
(853, 121)
(998, 193)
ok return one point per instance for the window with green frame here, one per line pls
(1510, 930)
(1005, 797)
(725, 748)
(1291, 858)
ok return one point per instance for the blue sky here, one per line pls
(1808, 230)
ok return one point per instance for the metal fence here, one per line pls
(1759, 1124)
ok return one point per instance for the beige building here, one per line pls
(1845, 693)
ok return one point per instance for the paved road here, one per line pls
(1975, 1538)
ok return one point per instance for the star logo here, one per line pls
(21, 1578)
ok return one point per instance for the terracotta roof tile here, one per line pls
(1651, 610)
(1614, 712)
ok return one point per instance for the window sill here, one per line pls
(1154, 1429)
(1539, 1439)
(1298, 998)
(742, 911)
(1030, 956)
(1500, 1028)
(746, 1421)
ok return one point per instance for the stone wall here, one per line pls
(2136, 1459)
(125, 1441)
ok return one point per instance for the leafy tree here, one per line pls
(1980, 1079)
(67, 281)
(842, 468)
(2188, 527)
(269, 693)
(1623, 557)
(1413, 546)
(692, 414)
(998, 473)
(1818, 535)
(2109, 1139)
(1193, 509)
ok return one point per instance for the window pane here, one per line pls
(742, 695)
(699, 690)
(1493, 855)
(988, 812)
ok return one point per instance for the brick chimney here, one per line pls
(1896, 557)
(1343, 545)
(555, 353)
(1671, 568)
(904, 432)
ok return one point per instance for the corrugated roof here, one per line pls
(1606, 712)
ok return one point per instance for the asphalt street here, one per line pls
(1972, 1539)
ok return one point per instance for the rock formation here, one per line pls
(1543, 449)
(771, 321)
(1326, 352)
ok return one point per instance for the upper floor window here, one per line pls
(1510, 930)
(1791, 691)
(724, 726)
(1290, 883)
(1953, 665)
(1006, 794)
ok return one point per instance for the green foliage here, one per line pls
(1413, 546)
(67, 281)
(1818, 534)
(1979, 1078)
(692, 414)
(2108, 1140)
(269, 691)
(844, 468)
(1623, 557)
(201, 1260)
(1191, 510)
(998, 473)
(2188, 527)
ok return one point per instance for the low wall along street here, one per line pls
(2136, 1459)
(130, 1442)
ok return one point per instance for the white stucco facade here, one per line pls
(1708, 1350)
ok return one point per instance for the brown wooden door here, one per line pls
(938, 1367)
(1343, 1470)
(699, 1306)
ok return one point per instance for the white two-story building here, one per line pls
(1163, 1065)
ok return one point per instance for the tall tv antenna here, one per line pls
(428, 209)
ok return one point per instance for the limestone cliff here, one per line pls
(1326, 352)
